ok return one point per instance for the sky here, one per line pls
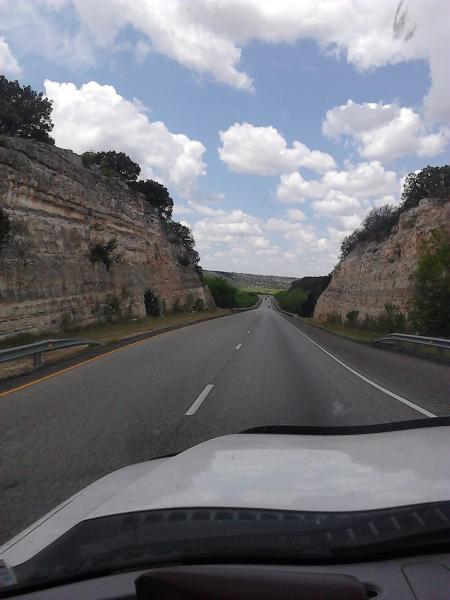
(276, 126)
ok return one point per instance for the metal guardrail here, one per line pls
(38, 348)
(394, 338)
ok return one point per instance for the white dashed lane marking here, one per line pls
(200, 399)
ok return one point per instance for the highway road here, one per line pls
(169, 392)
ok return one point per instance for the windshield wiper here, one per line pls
(350, 429)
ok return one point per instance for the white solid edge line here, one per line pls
(369, 381)
(200, 399)
(238, 347)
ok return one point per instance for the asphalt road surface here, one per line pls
(172, 391)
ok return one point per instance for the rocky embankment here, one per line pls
(58, 212)
(378, 273)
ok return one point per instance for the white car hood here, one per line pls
(285, 472)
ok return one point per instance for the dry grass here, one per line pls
(353, 333)
(105, 333)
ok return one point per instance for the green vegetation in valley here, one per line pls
(302, 296)
(291, 300)
(228, 296)
(24, 112)
(431, 182)
(430, 309)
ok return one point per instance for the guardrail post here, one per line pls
(37, 359)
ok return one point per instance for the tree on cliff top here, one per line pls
(24, 112)
(430, 310)
(431, 182)
(156, 195)
(113, 164)
(180, 234)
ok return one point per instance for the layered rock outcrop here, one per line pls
(58, 211)
(378, 273)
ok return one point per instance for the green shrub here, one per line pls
(390, 321)
(5, 227)
(313, 287)
(351, 318)
(113, 164)
(334, 318)
(291, 300)
(156, 195)
(67, 322)
(104, 253)
(376, 226)
(151, 303)
(180, 234)
(222, 291)
(245, 299)
(199, 305)
(430, 307)
(431, 182)
(183, 260)
(190, 302)
(369, 323)
(112, 310)
(228, 296)
(24, 112)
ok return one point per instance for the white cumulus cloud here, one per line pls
(336, 204)
(208, 36)
(344, 196)
(365, 180)
(96, 117)
(8, 63)
(264, 151)
(384, 131)
(295, 214)
(293, 188)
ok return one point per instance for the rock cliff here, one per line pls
(377, 273)
(58, 211)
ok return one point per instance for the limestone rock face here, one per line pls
(378, 273)
(58, 211)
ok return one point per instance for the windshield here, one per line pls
(216, 218)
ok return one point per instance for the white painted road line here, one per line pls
(238, 347)
(194, 408)
(369, 381)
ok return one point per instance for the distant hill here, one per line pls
(249, 280)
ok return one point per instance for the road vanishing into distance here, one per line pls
(174, 390)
